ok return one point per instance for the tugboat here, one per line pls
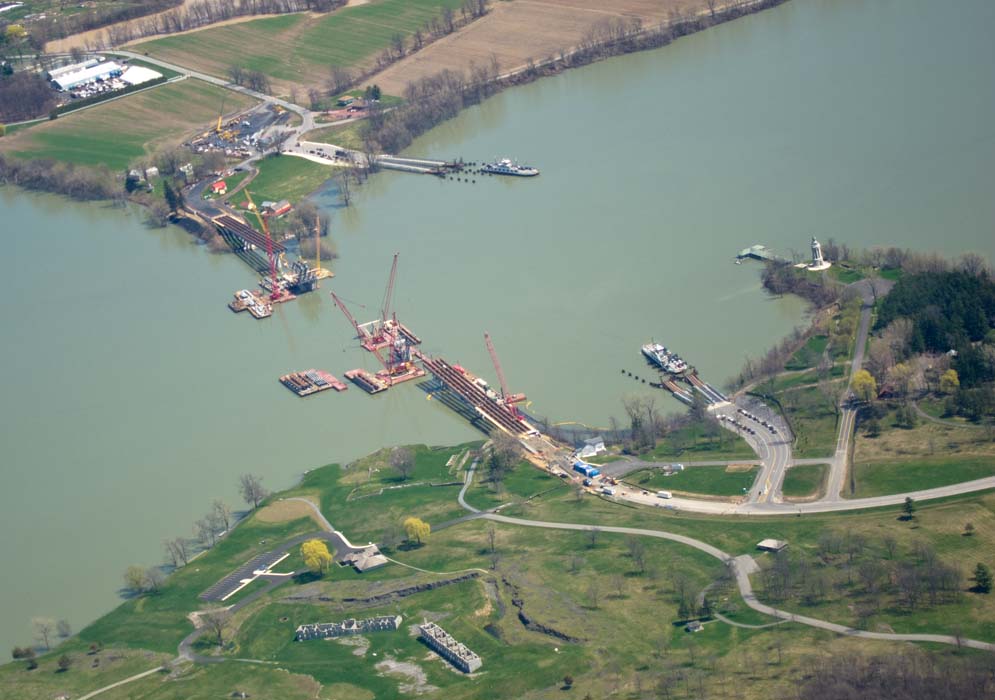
(506, 167)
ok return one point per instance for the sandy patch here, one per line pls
(285, 511)
(414, 679)
(362, 644)
(739, 468)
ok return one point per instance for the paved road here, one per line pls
(870, 290)
(741, 570)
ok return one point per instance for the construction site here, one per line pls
(281, 281)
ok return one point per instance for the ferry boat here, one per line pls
(666, 360)
(506, 167)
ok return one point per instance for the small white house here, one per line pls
(151, 172)
(592, 447)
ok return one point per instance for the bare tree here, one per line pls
(154, 578)
(592, 537)
(618, 583)
(64, 628)
(594, 593)
(492, 539)
(44, 629)
(402, 459)
(222, 514)
(177, 551)
(206, 530)
(637, 550)
(216, 621)
(344, 186)
(251, 488)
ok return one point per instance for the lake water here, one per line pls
(132, 397)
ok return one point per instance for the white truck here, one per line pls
(664, 494)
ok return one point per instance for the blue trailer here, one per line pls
(586, 469)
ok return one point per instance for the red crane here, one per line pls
(509, 399)
(388, 295)
(274, 293)
(361, 332)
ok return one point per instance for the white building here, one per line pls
(592, 447)
(92, 74)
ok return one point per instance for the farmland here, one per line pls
(120, 132)
(299, 49)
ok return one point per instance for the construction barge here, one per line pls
(366, 381)
(474, 392)
(254, 302)
(312, 381)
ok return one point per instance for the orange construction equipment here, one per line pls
(275, 285)
(507, 398)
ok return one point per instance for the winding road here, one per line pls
(741, 567)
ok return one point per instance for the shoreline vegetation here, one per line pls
(429, 101)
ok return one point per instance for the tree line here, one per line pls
(24, 95)
(46, 175)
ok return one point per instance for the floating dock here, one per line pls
(312, 381)
(366, 381)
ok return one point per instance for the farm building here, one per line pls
(85, 76)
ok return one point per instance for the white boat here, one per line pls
(666, 360)
(506, 167)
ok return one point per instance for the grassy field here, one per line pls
(299, 49)
(809, 354)
(699, 442)
(805, 480)
(597, 591)
(287, 177)
(88, 672)
(879, 479)
(813, 421)
(120, 132)
(709, 481)
(345, 135)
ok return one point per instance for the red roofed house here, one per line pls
(219, 187)
(280, 208)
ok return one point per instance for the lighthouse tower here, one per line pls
(818, 262)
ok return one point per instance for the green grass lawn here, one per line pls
(879, 479)
(287, 177)
(846, 275)
(118, 133)
(345, 135)
(299, 48)
(805, 480)
(809, 354)
(350, 497)
(709, 481)
(813, 421)
(47, 682)
(158, 622)
(593, 590)
(699, 442)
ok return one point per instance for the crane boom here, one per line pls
(389, 293)
(497, 366)
(274, 285)
(361, 332)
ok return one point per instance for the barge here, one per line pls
(312, 381)
(370, 383)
